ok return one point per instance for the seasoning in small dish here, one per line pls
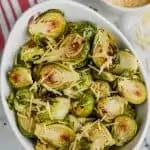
(130, 3)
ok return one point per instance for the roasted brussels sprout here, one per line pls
(20, 77)
(104, 49)
(60, 107)
(99, 136)
(86, 29)
(74, 49)
(133, 90)
(41, 146)
(57, 110)
(56, 77)
(80, 86)
(56, 134)
(30, 52)
(100, 89)
(50, 23)
(109, 108)
(106, 76)
(127, 62)
(26, 125)
(84, 106)
(124, 130)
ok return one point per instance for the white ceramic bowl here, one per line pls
(75, 12)
(121, 10)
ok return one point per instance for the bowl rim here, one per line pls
(112, 26)
(126, 9)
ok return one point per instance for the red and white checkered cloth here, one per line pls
(10, 11)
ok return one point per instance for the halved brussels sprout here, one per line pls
(104, 49)
(127, 62)
(50, 23)
(26, 125)
(84, 106)
(110, 107)
(99, 136)
(20, 77)
(106, 76)
(100, 89)
(124, 130)
(30, 52)
(134, 90)
(57, 77)
(41, 146)
(57, 110)
(56, 134)
(60, 107)
(84, 28)
(81, 85)
(74, 48)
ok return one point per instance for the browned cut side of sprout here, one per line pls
(57, 77)
(124, 130)
(111, 107)
(55, 134)
(104, 49)
(20, 77)
(50, 23)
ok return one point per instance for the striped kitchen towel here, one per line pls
(10, 11)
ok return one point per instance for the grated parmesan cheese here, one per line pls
(48, 109)
(30, 108)
(142, 32)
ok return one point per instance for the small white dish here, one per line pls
(73, 11)
(121, 10)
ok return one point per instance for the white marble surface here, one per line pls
(7, 139)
